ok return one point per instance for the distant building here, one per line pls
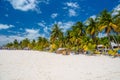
(63, 51)
(114, 45)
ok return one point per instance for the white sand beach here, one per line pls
(36, 65)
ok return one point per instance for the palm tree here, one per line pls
(42, 43)
(56, 38)
(92, 28)
(117, 22)
(56, 33)
(87, 44)
(32, 44)
(45, 42)
(25, 43)
(106, 23)
(75, 35)
(9, 45)
(67, 39)
(80, 28)
(15, 44)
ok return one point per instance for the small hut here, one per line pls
(63, 51)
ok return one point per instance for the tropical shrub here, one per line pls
(96, 52)
(112, 52)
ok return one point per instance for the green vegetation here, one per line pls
(80, 37)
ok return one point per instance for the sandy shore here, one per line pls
(35, 65)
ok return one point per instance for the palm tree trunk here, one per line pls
(116, 41)
(109, 41)
(118, 33)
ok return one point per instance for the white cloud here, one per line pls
(29, 33)
(6, 39)
(42, 24)
(72, 4)
(65, 25)
(86, 22)
(54, 15)
(32, 33)
(65, 8)
(116, 10)
(93, 16)
(71, 7)
(44, 1)
(26, 5)
(14, 32)
(46, 30)
(6, 15)
(5, 26)
(45, 27)
(72, 12)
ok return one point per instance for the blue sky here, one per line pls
(21, 19)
